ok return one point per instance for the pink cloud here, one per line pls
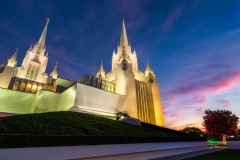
(200, 109)
(193, 98)
(224, 103)
(232, 80)
(173, 115)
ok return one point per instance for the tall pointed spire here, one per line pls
(148, 70)
(113, 53)
(46, 55)
(123, 39)
(13, 60)
(54, 73)
(41, 41)
(134, 51)
(101, 72)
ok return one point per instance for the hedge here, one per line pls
(19, 141)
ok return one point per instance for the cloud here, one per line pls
(214, 83)
(173, 115)
(191, 98)
(172, 18)
(224, 103)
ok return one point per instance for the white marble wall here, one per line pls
(94, 100)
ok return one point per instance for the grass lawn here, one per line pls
(228, 154)
(73, 123)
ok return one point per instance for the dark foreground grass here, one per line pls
(228, 154)
(72, 123)
(72, 128)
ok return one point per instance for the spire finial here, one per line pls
(101, 72)
(123, 39)
(41, 41)
(48, 19)
(13, 60)
(54, 73)
(148, 70)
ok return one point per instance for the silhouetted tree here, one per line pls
(193, 131)
(220, 123)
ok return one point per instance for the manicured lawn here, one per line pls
(72, 128)
(228, 154)
(72, 123)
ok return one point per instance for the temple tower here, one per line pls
(141, 89)
(35, 61)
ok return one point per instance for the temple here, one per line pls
(124, 89)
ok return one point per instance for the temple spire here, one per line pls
(13, 60)
(123, 39)
(134, 51)
(54, 73)
(113, 53)
(148, 70)
(101, 72)
(41, 41)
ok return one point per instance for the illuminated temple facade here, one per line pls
(124, 89)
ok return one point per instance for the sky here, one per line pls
(193, 46)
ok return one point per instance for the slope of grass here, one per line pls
(72, 123)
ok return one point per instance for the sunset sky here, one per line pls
(193, 46)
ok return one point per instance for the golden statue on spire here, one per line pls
(48, 19)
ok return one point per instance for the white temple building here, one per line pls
(123, 89)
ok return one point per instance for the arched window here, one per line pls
(28, 87)
(22, 86)
(124, 65)
(15, 85)
(28, 70)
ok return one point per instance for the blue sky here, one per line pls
(193, 46)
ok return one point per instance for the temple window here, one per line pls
(28, 70)
(22, 86)
(124, 65)
(15, 85)
(36, 73)
(32, 71)
(28, 87)
(34, 88)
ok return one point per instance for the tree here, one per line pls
(193, 131)
(220, 123)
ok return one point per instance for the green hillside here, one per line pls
(72, 123)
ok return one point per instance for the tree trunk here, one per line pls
(224, 139)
